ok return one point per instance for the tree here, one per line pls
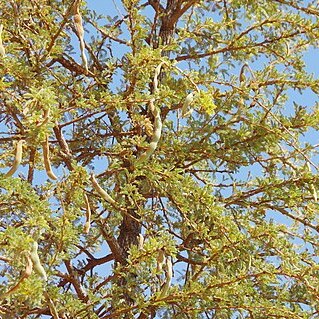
(155, 161)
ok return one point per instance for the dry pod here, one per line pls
(157, 131)
(242, 76)
(101, 191)
(168, 275)
(312, 186)
(186, 110)
(2, 50)
(140, 242)
(17, 159)
(156, 75)
(161, 259)
(38, 268)
(155, 137)
(46, 116)
(78, 24)
(314, 193)
(46, 159)
(87, 225)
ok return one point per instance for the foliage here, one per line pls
(168, 164)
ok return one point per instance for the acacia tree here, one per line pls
(155, 162)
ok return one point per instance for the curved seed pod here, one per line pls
(84, 60)
(101, 191)
(242, 73)
(28, 267)
(156, 135)
(169, 275)
(242, 77)
(46, 116)
(188, 101)
(312, 186)
(78, 23)
(38, 268)
(87, 225)
(27, 272)
(2, 50)
(161, 259)
(287, 48)
(17, 159)
(46, 159)
(314, 192)
(156, 75)
(157, 121)
(140, 242)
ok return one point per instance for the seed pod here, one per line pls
(314, 192)
(17, 159)
(313, 189)
(101, 191)
(77, 19)
(46, 116)
(87, 225)
(157, 122)
(161, 259)
(78, 24)
(36, 261)
(2, 50)
(156, 75)
(156, 135)
(169, 269)
(140, 242)
(242, 77)
(188, 101)
(169, 275)
(46, 159)
(28, 267)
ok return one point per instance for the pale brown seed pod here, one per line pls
(140, 242)
(17, 159)
(101, 191)
(46, 159)
(161, 259)
(186, 110)
(156, 75)
(169, 275)
(155, 137)
(46, 116)
(2, 50)
(314, 193)
(77, 19)
(38, 268)
(78, 24)
(312, 186)
(87, 225)
(29, 266)
(157, 121)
